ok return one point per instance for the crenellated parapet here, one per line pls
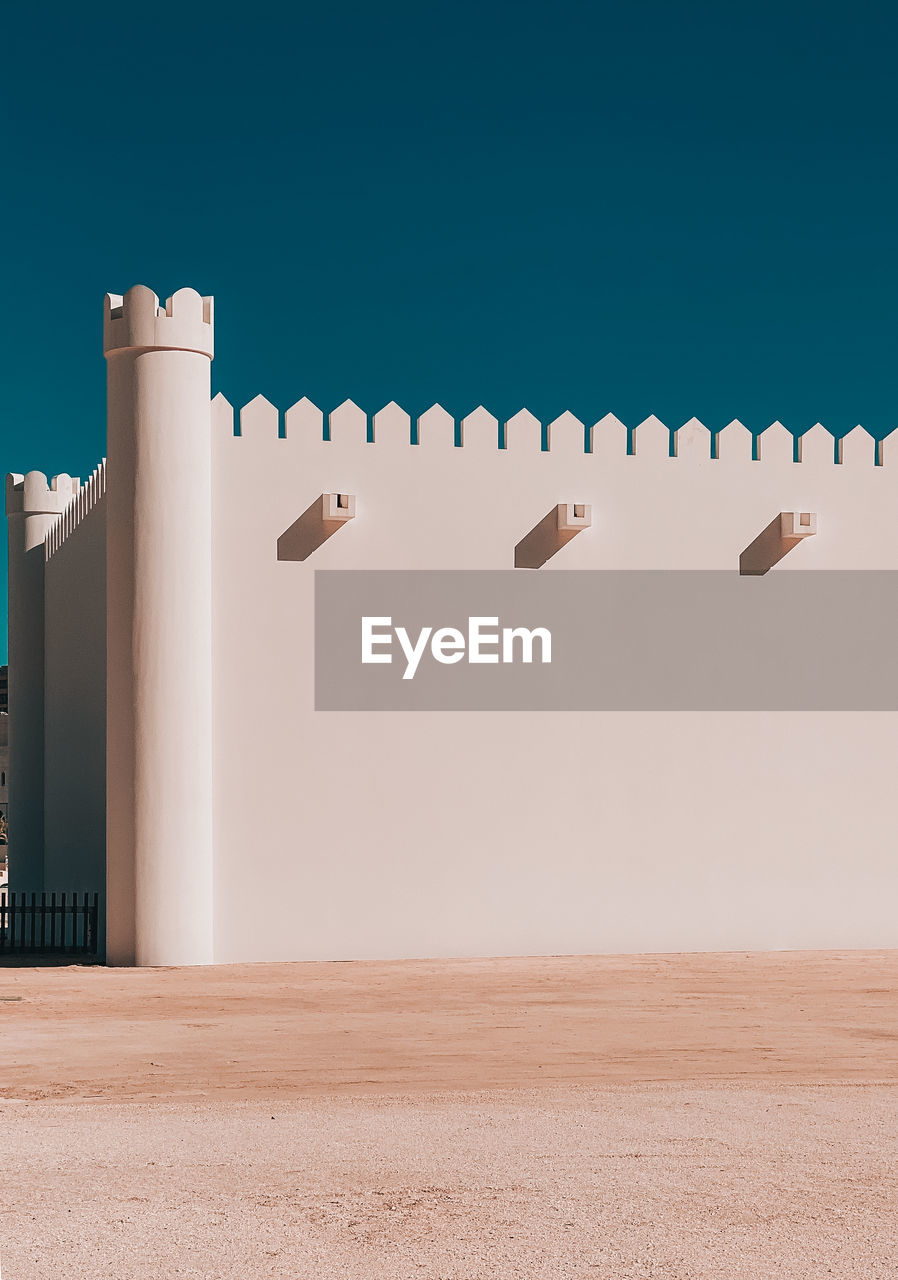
(137, 321)
(84, 498)
(606, 440)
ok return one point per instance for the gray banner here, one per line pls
(606, 641)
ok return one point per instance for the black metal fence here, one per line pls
(49, 923)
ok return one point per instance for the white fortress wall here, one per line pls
(75, 693)
(344, 835)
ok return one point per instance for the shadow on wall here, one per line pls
(328, 513)
(554, 531)
(784, 532)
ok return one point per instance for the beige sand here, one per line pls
(675, 1117)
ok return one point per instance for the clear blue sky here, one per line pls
(638, 207)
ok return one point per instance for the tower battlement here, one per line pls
(136, 320)
(34, 494)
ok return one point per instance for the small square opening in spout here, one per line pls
(343, 501)
(579, 510)
(804, 518)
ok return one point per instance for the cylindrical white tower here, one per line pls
(159, 629)
(32, 507)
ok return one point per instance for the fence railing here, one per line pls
(49, 923)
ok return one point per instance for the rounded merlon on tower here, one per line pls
(137, 321)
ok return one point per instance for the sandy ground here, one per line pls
(676, 1117)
